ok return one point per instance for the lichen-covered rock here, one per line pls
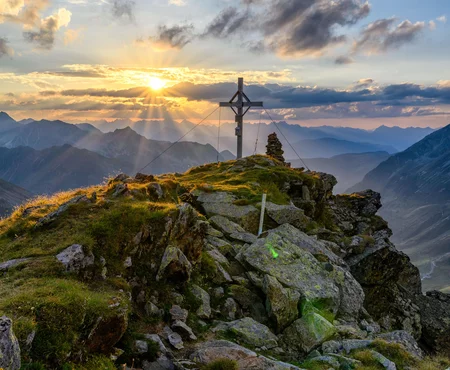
(184, 330)
(383, 361)
(222, 204)
(287, 214)
(75, 259)
(208, 352)
(307, 333)
(435, 314)
(225, 225)
(281, 303)
(204, 310)
(347, 345)
(9, 346)
(174, 266)
(294, 267)
(178, 313)
(250, 332)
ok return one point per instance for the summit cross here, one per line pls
(238, 103)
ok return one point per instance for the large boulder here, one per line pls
(208, 352)
(76, 259)
(435, 313)
(107, 332)
(294, 267)
(9, 346)
(307, 333)
(223, 204)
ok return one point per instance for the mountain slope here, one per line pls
(57, 168)
(329, 147)
(415, 186)
(6, 122)
(11, 196)
(349, 169)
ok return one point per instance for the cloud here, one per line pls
(45, 36)
(175, 37)
(71, 35)
(230, 21)
(11, 7)
(123, 9)
(364, 83)
(442, 19)
(177, 2)
(5, 50)
(342, 60)
(382, 35)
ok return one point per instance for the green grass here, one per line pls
(222, 364)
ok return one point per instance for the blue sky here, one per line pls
(121, 44)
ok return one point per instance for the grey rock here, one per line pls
(155, 190)
(155, 338)
(244, 237)
(204, 311)
(287, 214)
(405, 339)
(61, 209)
(162, 363)
(281, 303)
(173, 338)
(251, 303)
(294, 267)
(184, 330)
(217, 256)
(222, 276)
(128, 263)
(119, 190)
(307, 333)
(174, 266)
(75, 259)
(227, 226)
(230, 308)
(9, 346)
(383, 361)
(178, 313)
(218, 292)
(252, 332)
(152, 310)
(346, 346)
(326, 360)
(246, 359)
(140, 346)
(5, 266)
(221, 204)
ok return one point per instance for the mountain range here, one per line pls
(10, 196)
(349, 169)
(396, 138)
(415, 185)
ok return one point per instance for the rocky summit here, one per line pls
(168, 272)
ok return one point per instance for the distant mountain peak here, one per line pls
(5, 116)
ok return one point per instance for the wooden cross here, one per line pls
(240, 101)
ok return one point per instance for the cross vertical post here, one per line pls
(240, 101)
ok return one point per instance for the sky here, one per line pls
(313, 62)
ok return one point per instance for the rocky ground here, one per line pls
(167, 272)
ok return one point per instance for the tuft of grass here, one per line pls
(222, 364)
(394, 352)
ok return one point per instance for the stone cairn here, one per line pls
(275, 148)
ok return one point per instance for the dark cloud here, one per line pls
(229, 21)
(175, 37)
(45, 37)
(282, 97)
(5, 50)
(342, 60)
(364, 83)
(315, 31)
(123, 9)
(382, 35)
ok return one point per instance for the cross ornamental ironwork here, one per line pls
(238, 103)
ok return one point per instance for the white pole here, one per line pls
(263, 210)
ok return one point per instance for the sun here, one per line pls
(156, 83)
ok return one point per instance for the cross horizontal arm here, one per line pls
(244, 104)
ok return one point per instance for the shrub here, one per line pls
(222, 364)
